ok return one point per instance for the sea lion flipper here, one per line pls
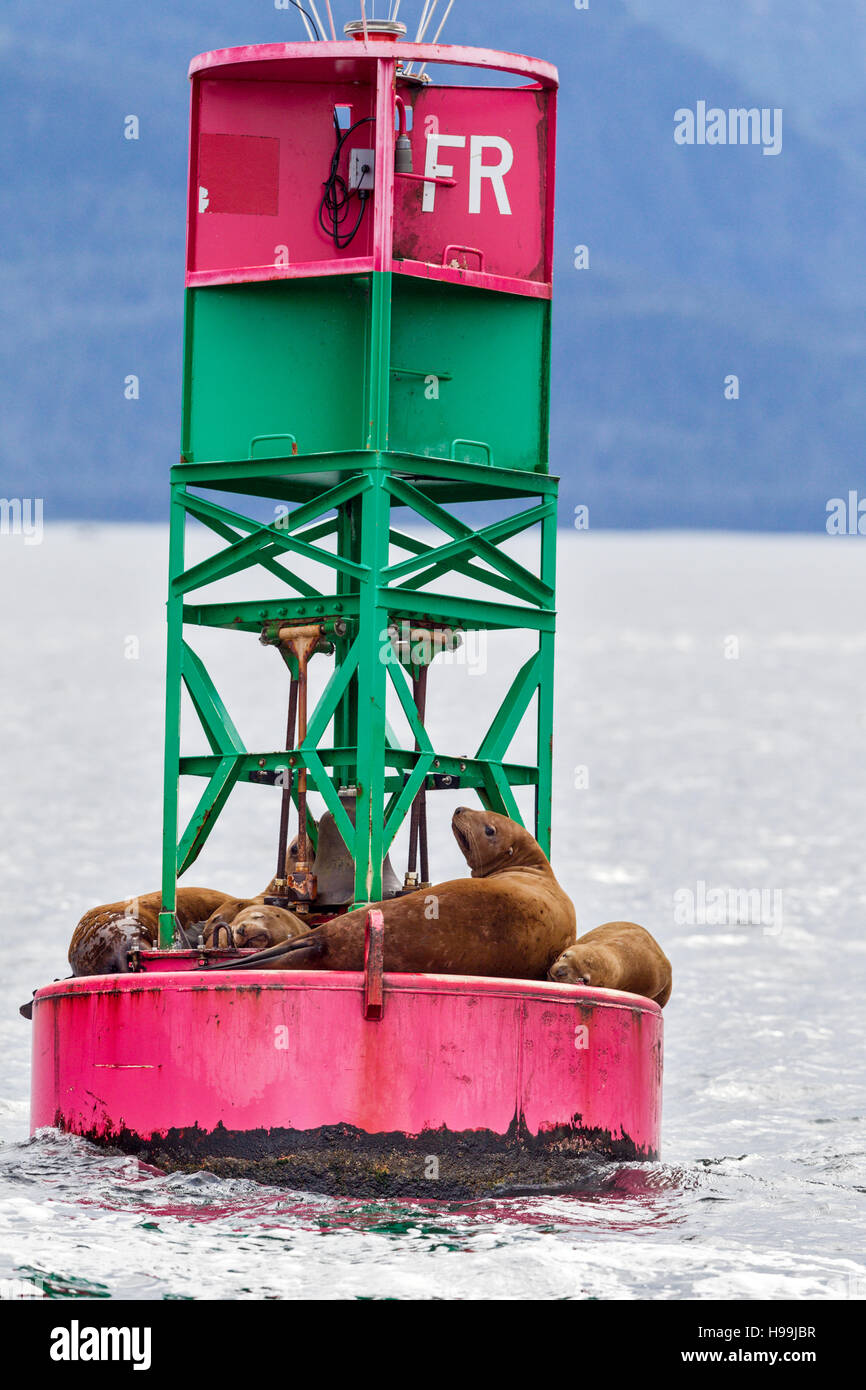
(301, 953)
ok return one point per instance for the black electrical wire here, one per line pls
(337, 197)
(308, 16)
(285, 948)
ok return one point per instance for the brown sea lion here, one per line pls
(511, 919)
(262, 925)
(231, 908)
(619, 955)
(103, 938)
(332, 865)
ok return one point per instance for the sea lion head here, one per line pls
(586, 965)
(263, 925)
(491, 843)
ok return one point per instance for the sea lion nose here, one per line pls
(460, 810)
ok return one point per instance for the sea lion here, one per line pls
(332, 864)
(511, 919)
(619, 955)
(231, 908)
(103, 938)
(262, 925)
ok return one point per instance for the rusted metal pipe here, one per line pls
(280, 896)
(303, 642)
(418, 821)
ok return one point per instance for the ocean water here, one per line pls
(710, 761)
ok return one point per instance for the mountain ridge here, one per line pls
(703, 263)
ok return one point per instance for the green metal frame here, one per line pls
(355, 496)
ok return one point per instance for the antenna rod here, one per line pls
(331, 21)
(364, 18)
(319, 25)
(423, 18)
(309, 28)
(444, 20)
(423, 68)
(428, 20)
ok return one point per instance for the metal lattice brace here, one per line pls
(372, 593)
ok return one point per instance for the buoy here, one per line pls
(371, 357)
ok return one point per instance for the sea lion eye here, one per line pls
(294, 848)
(489, 830)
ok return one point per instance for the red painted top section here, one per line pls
(307, 59)
(476, 208)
